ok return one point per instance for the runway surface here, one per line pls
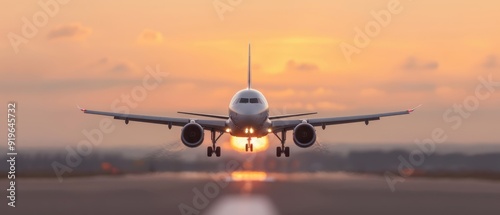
(253, 193)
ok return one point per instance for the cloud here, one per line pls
(447, 92)
(149, 36)
(414, 64)
(330, 106)
(491, 62)
(301, 67)
(69, 31)
(102, 61)
(408, 87)
(121, 68)
(315, 106)
(106, 64)
(372, 92)
(66, 85)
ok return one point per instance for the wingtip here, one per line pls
(81, 109)
(413, 109)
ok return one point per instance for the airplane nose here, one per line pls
(250, 111)
(249, 117)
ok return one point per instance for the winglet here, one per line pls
(249, 67)
(82, 109)
(413, 109)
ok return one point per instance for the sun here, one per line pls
(259, 144)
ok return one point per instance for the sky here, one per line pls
(339, 58)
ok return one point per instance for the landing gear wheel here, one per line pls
(213, 149)
(249, 147)
(282, 149)
(287, 151)
(210, 151)
(217, 151)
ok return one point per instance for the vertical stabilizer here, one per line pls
(249, 68)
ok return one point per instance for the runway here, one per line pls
(253, 193)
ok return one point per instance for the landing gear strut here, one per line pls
(213, 149)
(249, 146)
(282, 149)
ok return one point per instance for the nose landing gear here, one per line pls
(249, 146)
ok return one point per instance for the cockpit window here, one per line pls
(254, 100)
(249, 100)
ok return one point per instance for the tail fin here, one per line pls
(249, 67)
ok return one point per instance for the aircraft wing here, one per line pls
(279, 125)
(218, 125)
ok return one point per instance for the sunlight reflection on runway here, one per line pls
(249, 176)
(242, 205)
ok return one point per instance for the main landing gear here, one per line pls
(282, 149)
(249, 146)
(213, 149)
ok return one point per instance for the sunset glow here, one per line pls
(427, 52)
(259, 144)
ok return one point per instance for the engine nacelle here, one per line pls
(304, 135)
(192, 135)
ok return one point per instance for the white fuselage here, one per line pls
(249, 114)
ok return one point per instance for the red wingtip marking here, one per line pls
(82, 109)
(413, 109)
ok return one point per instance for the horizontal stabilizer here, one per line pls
(205, 115)
(291, 115)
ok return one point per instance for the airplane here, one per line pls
(248, 116)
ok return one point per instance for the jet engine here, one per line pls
(192, 135)
(304, 135)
